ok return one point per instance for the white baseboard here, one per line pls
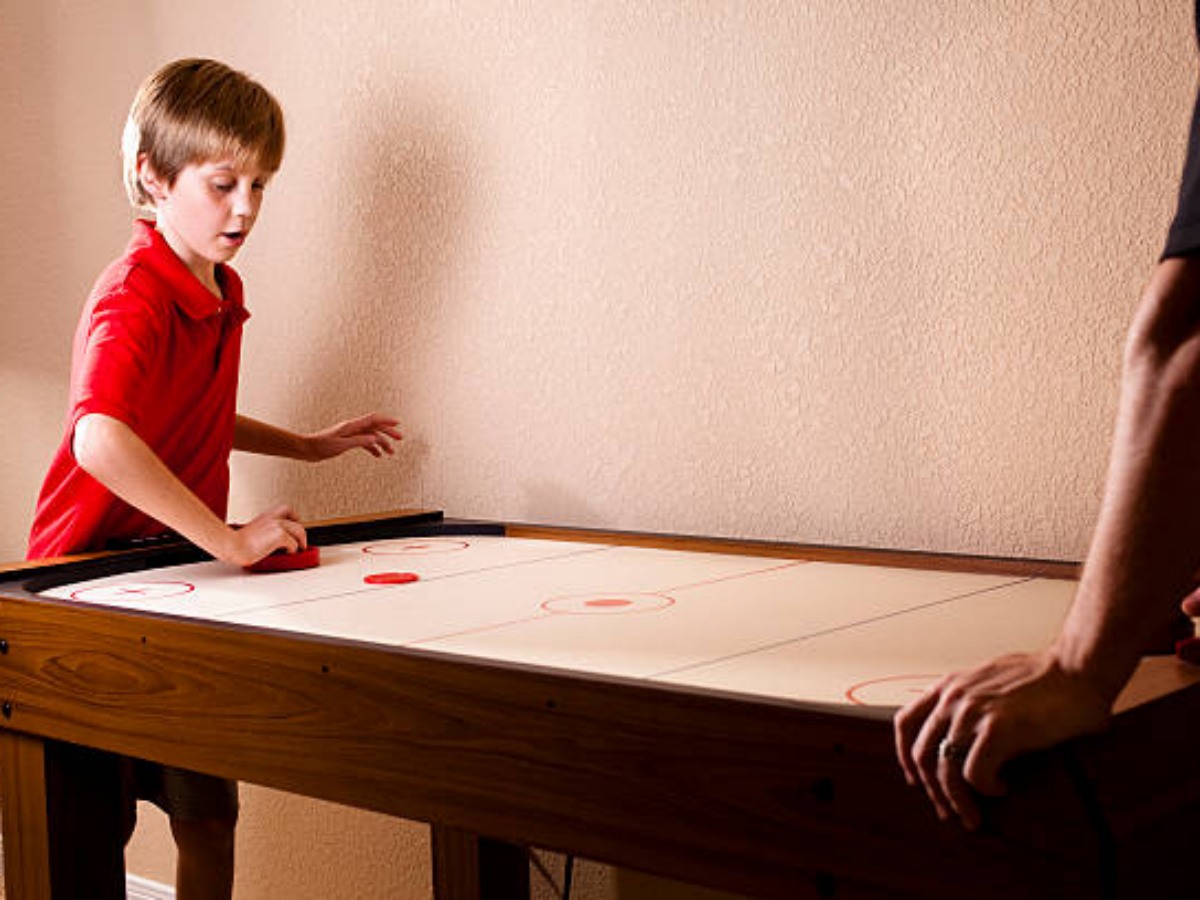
(135, 888)
(144, 889)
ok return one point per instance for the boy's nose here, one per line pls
(243, 204)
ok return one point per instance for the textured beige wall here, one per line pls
(780, 270)
(850, 272)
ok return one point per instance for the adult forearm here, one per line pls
(1145, 552)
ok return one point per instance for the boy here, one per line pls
(152, 417)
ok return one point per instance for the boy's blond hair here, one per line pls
(197, 110)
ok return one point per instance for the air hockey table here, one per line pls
(713, 711)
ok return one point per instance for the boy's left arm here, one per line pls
(373, 432)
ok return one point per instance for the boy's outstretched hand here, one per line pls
(372, 432)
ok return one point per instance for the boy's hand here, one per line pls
(373, 433)
(276, 529)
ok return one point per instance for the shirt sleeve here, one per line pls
(117, 357)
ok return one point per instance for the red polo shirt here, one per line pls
(159, 351)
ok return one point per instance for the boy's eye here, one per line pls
(223, 186)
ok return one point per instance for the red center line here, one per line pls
(494, 626)
(359, 589)
(776, 568)
(849, 626)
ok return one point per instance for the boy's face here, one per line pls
(207, 214)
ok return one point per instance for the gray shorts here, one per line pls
(183, 795)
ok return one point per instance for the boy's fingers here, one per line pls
(297, 533)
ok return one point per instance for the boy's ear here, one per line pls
(149, 179)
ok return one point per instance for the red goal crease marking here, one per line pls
(145, 590)
(416, 547)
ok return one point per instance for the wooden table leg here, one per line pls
(469, 867)
(62, 817)
(26, 835)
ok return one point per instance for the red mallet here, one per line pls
(1189, 650)
(392, 578)
(282, 561)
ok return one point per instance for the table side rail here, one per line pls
(864, 556)
(762, 797)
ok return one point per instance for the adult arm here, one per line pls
(1141, 563)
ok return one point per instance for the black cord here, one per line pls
(568, 872)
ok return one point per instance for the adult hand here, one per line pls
(373, 433)
(955, 738)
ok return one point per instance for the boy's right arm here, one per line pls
(110, 451)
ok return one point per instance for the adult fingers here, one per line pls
(926, 754)
(947, 738)
(954, 754)
(988, 755)
(906, 728)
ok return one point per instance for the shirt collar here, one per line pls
(151, 249)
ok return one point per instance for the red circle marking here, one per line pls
(391, 578)
(601, 604)
(416, 547)
(144, 590)
(894, 690)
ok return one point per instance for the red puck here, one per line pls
(392, 578)
(282, 561)
(1188, 650)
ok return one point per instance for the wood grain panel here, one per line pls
(764, 797)
(23, 774)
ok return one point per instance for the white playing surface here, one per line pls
(782, 628)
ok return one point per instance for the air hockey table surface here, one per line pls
(714, 711)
